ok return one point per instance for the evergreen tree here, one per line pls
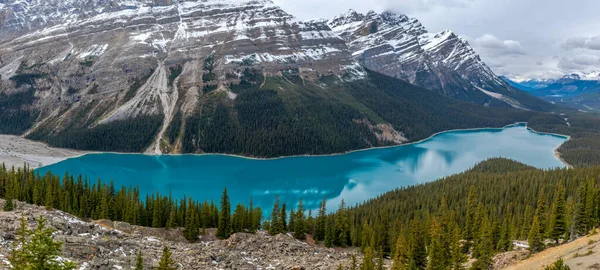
(300, 224)
(534, 238)
(224, 227)
(417, 252)
(8, 204)
(172, 215)
(540, 212)
(166, 262)
(329, 232)
(367, 263)
(437, 258)
(276, 226)
(283, 218)
(343, 225)
(458, 258)
(484, 246)
(139, 261)
(558, 222)
(400, 259)
(558, 265)
(321, 221)
(37, 249)
(470, 223)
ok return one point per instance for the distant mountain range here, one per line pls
(236, 76)
(579, 91)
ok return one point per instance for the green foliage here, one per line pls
(367, 262)
(131, 135)
(166, 262)
(535, 238)
(15, 114)
(558, 265)
(139, 261)
(558, 226)
(300, 222)
(37, 250)
(224, 228)
(89, 200)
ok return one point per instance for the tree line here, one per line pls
(437, 225)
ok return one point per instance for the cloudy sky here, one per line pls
(517, 38)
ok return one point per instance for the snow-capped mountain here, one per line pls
(577, 90)
(399, 46)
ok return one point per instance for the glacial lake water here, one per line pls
(355, 176)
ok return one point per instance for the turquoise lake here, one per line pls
(355, 176)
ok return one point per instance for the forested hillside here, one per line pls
(489, 206)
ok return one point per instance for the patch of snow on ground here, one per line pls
(503, 98)
(94, 50)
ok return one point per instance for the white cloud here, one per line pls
(592, 43)
(581, 62)
(497, 47)
(540, 37)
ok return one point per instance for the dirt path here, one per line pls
(583, 253)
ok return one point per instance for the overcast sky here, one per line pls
(517, 38)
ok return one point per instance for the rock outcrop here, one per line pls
(114, 245)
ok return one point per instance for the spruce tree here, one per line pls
(8, 204)
(139, 261)
(417, 252)
(399, 258)
(321, 222)
(458, 258)
(166, 262)
(37, 249)
(470, 224)
(342, 224)
(558, 222)
(276, 225)
(367, 262)
(484, 246)
(300, 223)
(329, 232)
(534, 238)
(283, 218)
(540, 212)
(437, 258)
(224, 227)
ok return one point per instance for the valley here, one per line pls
(232, 134)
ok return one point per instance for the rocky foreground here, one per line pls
(114, 245)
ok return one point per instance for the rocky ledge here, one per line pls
(113, 245)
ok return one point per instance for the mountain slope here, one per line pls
(236, 76)
(401, 47)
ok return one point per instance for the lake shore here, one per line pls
(15, 150)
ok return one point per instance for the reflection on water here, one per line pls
(354, 177)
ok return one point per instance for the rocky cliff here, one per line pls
(399, 46)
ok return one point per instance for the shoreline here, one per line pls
(50, 159)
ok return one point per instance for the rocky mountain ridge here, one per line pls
(400, 46)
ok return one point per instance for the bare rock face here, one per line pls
(399, 46)
(101, 246)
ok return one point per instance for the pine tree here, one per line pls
(342, 225)
(367, 263)
(329, 232)
(540, 212)
(417, 253)
(224, 227)
(437, 258)
(37, 249)
(458, 258)
(276, 226)
(400, 259)
(558, 222)
(300, 223)
(470, 224)
(283, 218)
(166, 262)
(321, 221)
(484, 246)
(558, 265)
(534, 238)
(8, 204)
(172, 215)
(139, 261)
